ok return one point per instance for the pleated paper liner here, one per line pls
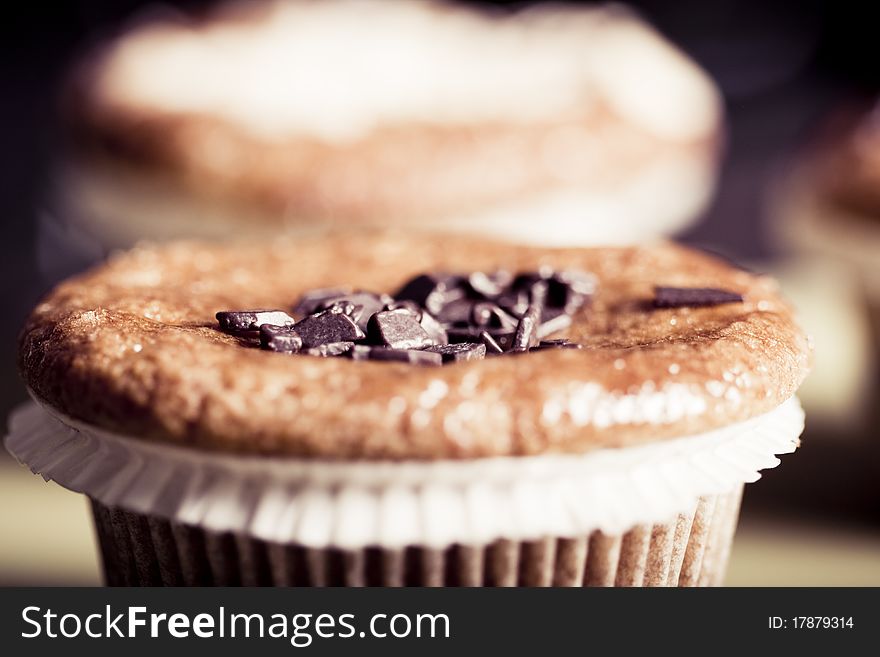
(691, 550)
(168, 514)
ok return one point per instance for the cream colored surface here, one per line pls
(786, 554)
(338, 69)
(45, 532)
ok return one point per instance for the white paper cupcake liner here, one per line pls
(393, 505)
(688, 550)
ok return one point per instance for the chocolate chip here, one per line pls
(487, 314)
(315, 300)
(490, 343)
(457, 312)
(432, 291)
(573, 289)
(461, 351)
(675, 297)
(488, 286)
(427, 321)
(238, 321)
(412, 356)
(553, 320)
(527, 330)
(360, 306)
(330, 349)
(405, 304)
(503, 337)
(398, 329)
(326, 327)
(283, 339)
(344, 307)
(515, 302)
(525, 333)
(568, 289)
(556, 344)
(525, 281)
(435, 316)
(578, 281)
(433, 328)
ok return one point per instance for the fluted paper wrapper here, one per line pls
(689, 550)
(659, 514)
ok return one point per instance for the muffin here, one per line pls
(829, 204)
(431, 411)
(825, 213)
(553, 125)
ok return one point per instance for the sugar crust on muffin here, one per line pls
(133, 346)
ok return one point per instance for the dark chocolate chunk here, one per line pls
(556, 344)
(515, 302)
(568, 289)
(315, 300)
(538, 295)
(527, 330)
(398, 329)
(239, 321)
(675, 297)
(491, 344)
(435, 316)
(460, 351)
(344, 307)
(488, 286)
(457, 312)
(553, 320)
(486, 314)
(433, 292)
(427, 321)
(284, 339)
(360, 306)
(405, 304)
(360, 352)
(525, 279)
(326, 327)
(412, 356)
(526, 334)
(503, 338)
(578, 281)
(433, 328)
(330, 349)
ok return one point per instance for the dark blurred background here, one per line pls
(782, 67)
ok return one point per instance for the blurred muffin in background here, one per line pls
(829, 202)
(825, 214)
(550, 125)
(832, 309)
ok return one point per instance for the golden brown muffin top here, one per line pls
(133, 346)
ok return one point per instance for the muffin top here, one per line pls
(133, 346)
(338, 69)
(317, 110)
